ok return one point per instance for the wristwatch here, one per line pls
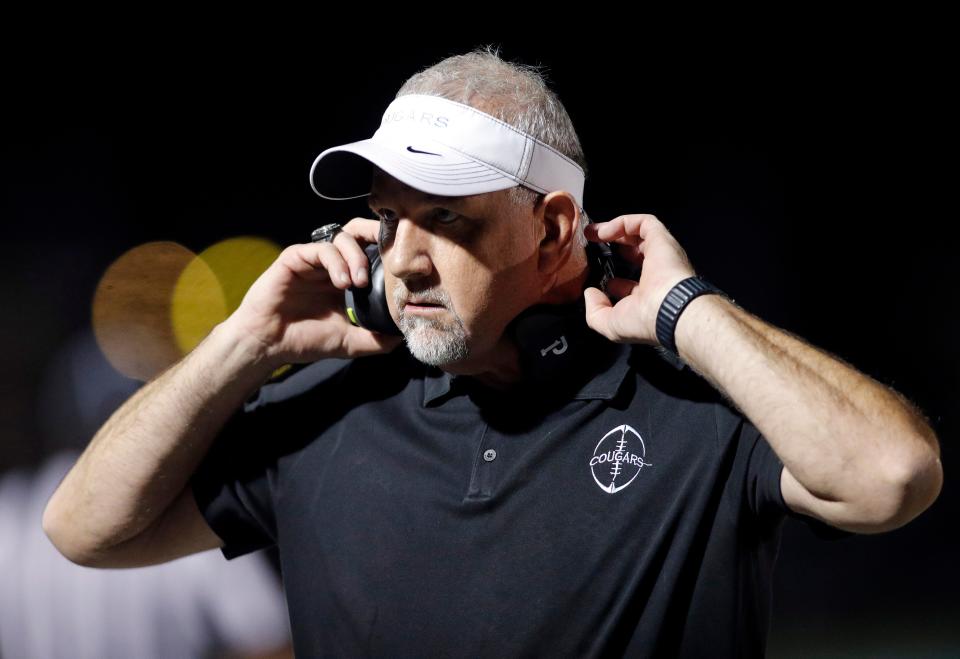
(673, 305)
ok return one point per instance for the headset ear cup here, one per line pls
(602, 265)
(381, 320)
(367, 307)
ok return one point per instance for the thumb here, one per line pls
(599, 308)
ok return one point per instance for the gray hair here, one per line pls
(514, 93)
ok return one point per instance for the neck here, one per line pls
(505, 371)
(501, 369)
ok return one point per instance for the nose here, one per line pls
(405, 249)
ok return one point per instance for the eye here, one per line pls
(384, 215)
(440, 215)
(444, 216)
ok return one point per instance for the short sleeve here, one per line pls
(763, 492)
(235, 484)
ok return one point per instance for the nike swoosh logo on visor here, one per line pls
(412, 150)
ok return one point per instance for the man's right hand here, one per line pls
(295, 313)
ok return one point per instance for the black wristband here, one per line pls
(673, 305)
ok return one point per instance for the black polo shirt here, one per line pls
(620, 508)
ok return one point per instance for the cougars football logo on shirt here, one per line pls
(618, 458)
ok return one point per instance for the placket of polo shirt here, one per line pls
(486, 466)
(512, 427)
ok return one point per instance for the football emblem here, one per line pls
(618, 458)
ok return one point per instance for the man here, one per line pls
(526, 476)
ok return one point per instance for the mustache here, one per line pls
(436, 295)
(431, 295)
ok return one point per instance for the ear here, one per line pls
(559, 216)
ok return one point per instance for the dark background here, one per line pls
(804, 180)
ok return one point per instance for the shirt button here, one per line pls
(489, 455)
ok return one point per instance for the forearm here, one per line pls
(143, 456)
(842, 435)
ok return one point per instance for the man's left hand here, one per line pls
(645, 241)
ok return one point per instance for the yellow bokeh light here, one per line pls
(212, 287)
(157, 301)
(197, 304)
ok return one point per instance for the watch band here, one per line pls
(673, 305)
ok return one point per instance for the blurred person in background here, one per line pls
(199, 606)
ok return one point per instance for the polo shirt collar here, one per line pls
(597, 377)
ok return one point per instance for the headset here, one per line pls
(367, 307)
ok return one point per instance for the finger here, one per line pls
(317, 261)
(353, 254)
(598, 311)
(609, 231)
(303, 261)
(636, 225)
(629, 240)
(365, 229)
(591, 232)
(331, 259)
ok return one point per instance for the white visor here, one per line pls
(446, 148)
